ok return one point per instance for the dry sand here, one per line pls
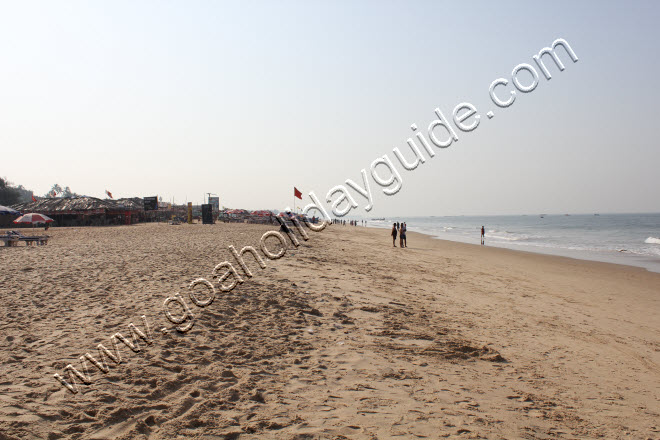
(344, 337)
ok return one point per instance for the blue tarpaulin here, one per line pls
(8, 211)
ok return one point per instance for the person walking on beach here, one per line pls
(483, 235)
(394, 232)
(402, 234)
(404, 229)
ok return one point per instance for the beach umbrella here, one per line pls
(8, 211)
(33, 218)
(262, 213)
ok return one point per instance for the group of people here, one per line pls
(400, 229)
(349, 222)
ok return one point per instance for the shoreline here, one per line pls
(573, 259)
(645, 262)
(524, 255)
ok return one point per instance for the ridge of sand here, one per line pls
(344, 337)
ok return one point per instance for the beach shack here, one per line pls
(87, 211)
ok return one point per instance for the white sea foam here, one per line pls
(509, 237)
(654, 251)
(652, 240)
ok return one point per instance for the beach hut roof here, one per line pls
(64, 205)
(131, 204)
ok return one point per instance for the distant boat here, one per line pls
(597, 215)
(542, 215)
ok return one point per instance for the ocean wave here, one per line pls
(652, 240)
(509, 237)
(654, 252)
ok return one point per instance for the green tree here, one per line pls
(54, 191)
(68, 193)
(10, 195)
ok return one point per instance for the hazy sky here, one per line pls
(247, 99)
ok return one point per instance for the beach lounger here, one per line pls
(14, 237)
(9, 240)
(39, 241)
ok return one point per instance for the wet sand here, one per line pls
(343, 337)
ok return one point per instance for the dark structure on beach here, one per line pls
(87, 211)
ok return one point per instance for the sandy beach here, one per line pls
(343, 337)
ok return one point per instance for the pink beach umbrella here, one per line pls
(33, 218)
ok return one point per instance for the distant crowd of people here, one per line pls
(336, 221)
(399, 229)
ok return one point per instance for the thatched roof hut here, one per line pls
(86, 210)
(65, 205)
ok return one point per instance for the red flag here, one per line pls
(108, 193)
(297, 193)
(33, 199)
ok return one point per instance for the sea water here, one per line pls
(632, 239)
